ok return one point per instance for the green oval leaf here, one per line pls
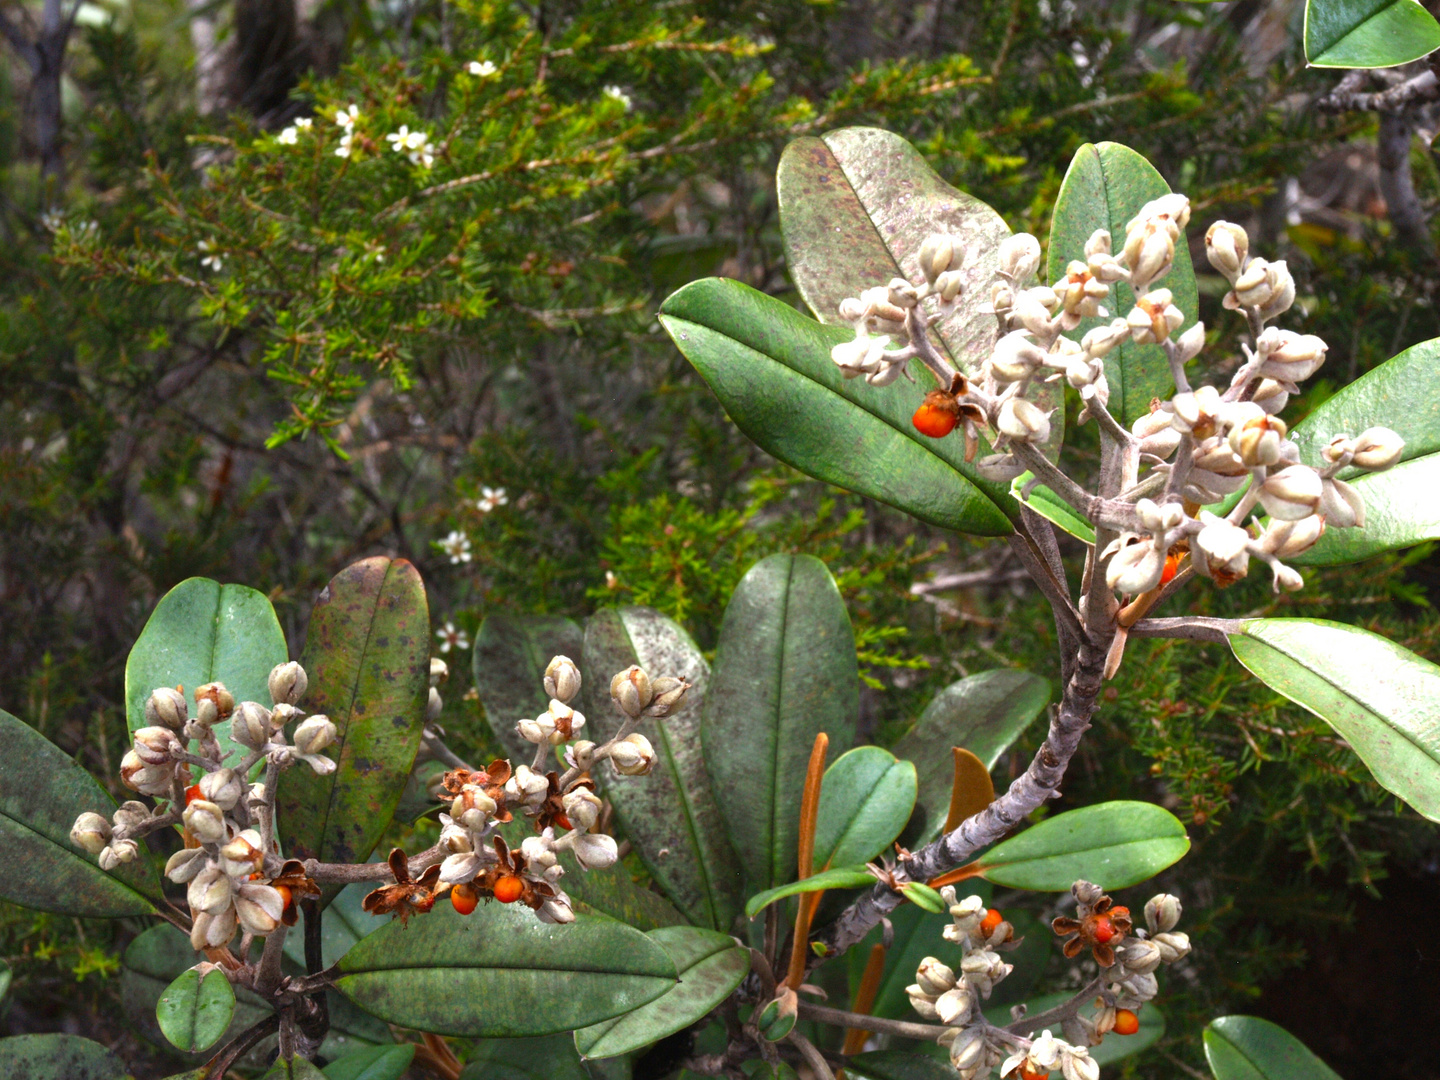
(855, 206)
(1105, 186)
(504, 972)
(372, 1063)
(1368, 33)
(923, 897)
(58, 1057)
(1114, 844)
(201, 632)
(671, 815)
(1248, 1048)
(898, 1065)
(367, 653)
(343, 923)
(1114, 1048)
(1052, 508)
(983, 713)
(1381, 698)
(865, 801)
(710, 964)
(838, 877)
(785, 670)
(42, 791)
(770, 367)
(511, 654)
(552, 1057)
(1402, 504)
(193, 1012)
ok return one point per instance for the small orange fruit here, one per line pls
(463, 899)
(992, 919)
(1102, 930)
(1172, 567)
(937, 415)
(1027, 1073)
(285, 895)
(192, 793)
(508, 889)
(563, 821)
(1126, 1022)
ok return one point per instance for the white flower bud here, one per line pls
(1225, 555)
(1139, 955)
(1189, 344)
(633, 755)
(562, 678)
(1341, 505)
(999, 468)
(860, 356)
(1195, 411)
(1271, 396)
(154, 745)
(1135, 569)
(117, 854)
(91, 832)
(631, 691)
(210, 891)
(251, 726)
(949, 286)
(205, 821)
(1227, 246)
(566, 722)
(1162, 913)
(1286, 577)
(539, 851)
(223, 787)
(933, 977)
(1377, 448)
(1172, 946)
(1287, 356)
(130, 814)
(146, 779)
(538, 730)
(258, 908)
(582, 807)
(460, 867)
(1023, 421)
(1098, 244)
(581, 754)
(1285, 539)
(439, 671)
(955, 1004)
(434, 705)
(527, 787)
(921, 1002)
(1257, 441)
(595, 851)
(166, 708)
(472, 807)
(242, 856)
(902, 294)
(1077, 1064)
(288, 683)
(556, 909)
(213, 931)
(968, 1049)
(1292, 493)
(851, 309)
(185, 864)
(1149, 253)
(1015, 357)
(937, 254)
(1020, 257)
(315, 734)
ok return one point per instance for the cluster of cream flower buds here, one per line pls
(223, 814)
(559, 723)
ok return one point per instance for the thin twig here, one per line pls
(904, 1029)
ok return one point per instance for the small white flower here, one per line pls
(415, 145)
(482, 69)
(289, 137)
(451, 638)
(616, 94)
(347, 144)
(210, 258)
(457, 546)
(346, 117)
(304, 123)
(491, 499)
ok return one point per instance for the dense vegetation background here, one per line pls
(227, 350)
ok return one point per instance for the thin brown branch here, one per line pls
(905, 1029)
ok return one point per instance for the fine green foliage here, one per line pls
(1114, 844)
(1248, 1048)
(1368, 33)
(1105, 186)
(785, 670)
(672, 814)
(201, 632)
(771, 369)
(836, 877)
(41, 792)
(501, 969)
(372, 1063)
(710, 966)
(367, 653)
(58, 1057)
(510, 657)
(193, 1012)
(865, 800)
(1379, 696)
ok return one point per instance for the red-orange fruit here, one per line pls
(1172, 567)
(1126, 1022)
(285, 895)
(937, 415)
(992, 919)
(1102, 929)
(508, 889)
(563, 821)
(192, 793)
(463, 899)
(1027, 1073)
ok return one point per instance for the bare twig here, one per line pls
(904, 1029)
(1190, 627)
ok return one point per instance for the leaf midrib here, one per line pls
(775, 740)
(1080, 850)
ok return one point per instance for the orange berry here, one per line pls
(937, 415)
(192, 793)
(1027, 1073)
(285, 895)
(563, 821)
(992, 919)
(1126, 1022)
(508, 889)
(1119, 913)
(464, 898)
(1172, 567)
(1102, 929)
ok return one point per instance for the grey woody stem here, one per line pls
(268, 977)
(345, 873)
(1060, 1013)
(1189, 627)
(903, 1029)
(816, 1060)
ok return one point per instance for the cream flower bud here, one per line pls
(130, 814)
(933, 977)
(1023, 421)
(166, 708)
(1031, 313)
(288, 683)
(117, 854)
(1172, 946)
(1227, 246)
(1162, 913)
(1020, 257)
(1102, 339)
(212, 931)
(216, 692)
(206, 821)
(1149, 255)
(539, 850)
(1139, 955)
(1292, 493)
(1377, 448)
(859, 356)
(1257, 441)
(185, 864)
(1189, 344)
(1098, 244)
(315, 734)
(582, 807)
(582, 754)
(669, 696)
(902, 294)
(454, 838)
(562, 678)
(527, 786)
(1171, 210)
(258, 908)
(1271, 396)
(1195, 411)
(251, 726)
(1077, 1064)
(434, 705)
(1252, 287)
(595, 851)
(937, 254)
(210, 891)
(968, 1049)
(955, 1004)
(631, 691)
(1286, 578)
(439, 671)
(566, 721)
(1282, 294)
(1015, 357)
(851, 309)
(921, 1002)
(90, 832)
(146, 779)
(633, 755)
(223, 787)
(1223, 547)
(538, 730)
(1135, 569)
(1285, 539)
(1341, 505)
(1156, 433)
(949, 285)
(154, 745)
(242, 856)
(1287, 356)
(556, 909)
(472, 807)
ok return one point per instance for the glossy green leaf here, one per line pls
(42, 791)
(510, 657)
(1114, 1048)
(770, 367)
(898, 1065)
(1114, 844)
(1248, 1048)
(671, 815)
(1368, 33)
(294, 1069)
(201, 632)
(1052, 508)
(923, 897)
(983, 713)
(367, 653)
(501, 968)
(916, 935)
(1382, 698)
(1029, 960)
(855, 206)
(785, 670)
(193, 1012)
(552, 1057)
(710, 965)
(342, 924)
(865, 801)
(372, 1063)
(1105, 186)
(58, 1057)
(837, 877)
(1402, 504)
